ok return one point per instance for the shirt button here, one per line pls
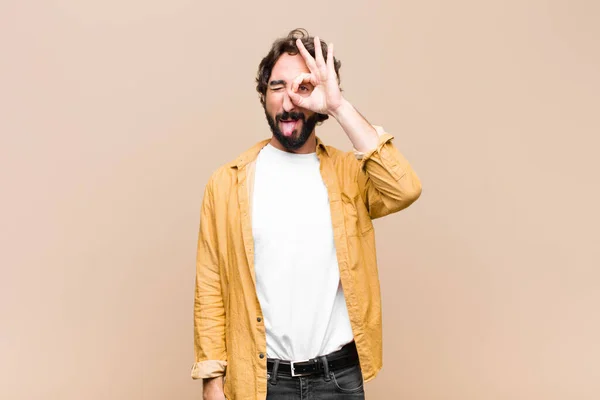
(259, 319)
(261, 355)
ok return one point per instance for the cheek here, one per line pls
(272, 104)
(273, 97)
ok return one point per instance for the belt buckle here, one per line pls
(293, 368)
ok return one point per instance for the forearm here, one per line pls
(361, 133)
(212, 388)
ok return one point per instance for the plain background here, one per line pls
(113, 114)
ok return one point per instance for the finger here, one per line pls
(308, 59)
(319, 53)
(300, 79)
(297, 99)
(330, 59)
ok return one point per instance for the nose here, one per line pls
(288, 105)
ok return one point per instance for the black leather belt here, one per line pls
(345, 357)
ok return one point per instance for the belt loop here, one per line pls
(274, 371)
(325, 368)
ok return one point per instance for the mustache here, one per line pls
(294, 116)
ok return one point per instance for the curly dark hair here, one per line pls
(288, 45)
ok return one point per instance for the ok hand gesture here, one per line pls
(326, 96)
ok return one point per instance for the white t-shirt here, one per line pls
(297, 275)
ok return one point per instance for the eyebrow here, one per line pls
(277, 83)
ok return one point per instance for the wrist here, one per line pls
(342, 109)
(213, 389)
(210, 384)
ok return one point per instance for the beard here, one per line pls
(295, 140)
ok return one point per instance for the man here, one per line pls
(287, 302)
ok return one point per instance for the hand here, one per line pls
(326, 96)
(213, 389)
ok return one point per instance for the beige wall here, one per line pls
(114, 113)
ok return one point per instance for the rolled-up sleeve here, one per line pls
(386, 180)
(209, 309)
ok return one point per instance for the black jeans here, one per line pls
(346, 383)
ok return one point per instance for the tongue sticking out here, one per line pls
(287, 127)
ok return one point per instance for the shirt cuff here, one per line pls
(208, 369)
(383, 138)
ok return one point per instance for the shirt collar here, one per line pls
(250, 155)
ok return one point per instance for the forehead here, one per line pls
(288, 67)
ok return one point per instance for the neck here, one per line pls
(309, 147)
